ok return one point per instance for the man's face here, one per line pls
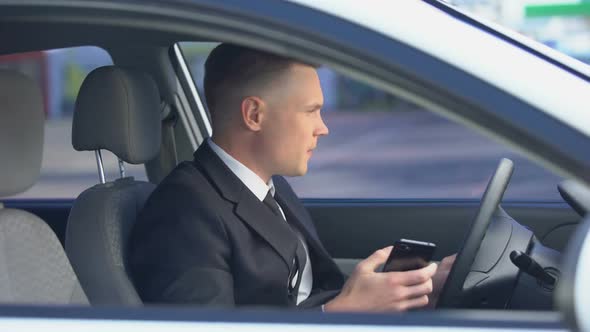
(292, 121)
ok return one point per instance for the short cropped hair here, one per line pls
(230, 69)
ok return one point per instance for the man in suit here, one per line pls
(227, 230)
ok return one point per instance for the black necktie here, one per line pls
(301, 257)
(272, 204)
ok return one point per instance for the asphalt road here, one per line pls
(366, 155)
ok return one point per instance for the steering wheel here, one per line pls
(451, 294)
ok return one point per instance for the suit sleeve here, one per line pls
(179, 251)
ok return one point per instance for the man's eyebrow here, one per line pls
(315, 106)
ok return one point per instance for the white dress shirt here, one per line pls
(259, 188)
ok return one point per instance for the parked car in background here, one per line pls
(445, 97)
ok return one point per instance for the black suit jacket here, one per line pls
(204, 238)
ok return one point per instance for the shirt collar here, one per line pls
(250, 179)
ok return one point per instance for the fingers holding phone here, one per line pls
(414, 257)
(369, 290)
(408, 255)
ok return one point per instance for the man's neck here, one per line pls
(241, 151)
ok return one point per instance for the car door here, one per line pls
(333, 213)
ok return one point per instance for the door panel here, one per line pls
(354, 229)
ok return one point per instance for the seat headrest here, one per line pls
(21, 132)
(118, 109)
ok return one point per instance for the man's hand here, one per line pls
(439, 279)
(367, 290)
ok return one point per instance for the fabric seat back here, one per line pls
(117, 109)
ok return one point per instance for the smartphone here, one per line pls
(408, 255)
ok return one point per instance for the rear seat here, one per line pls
(34, 268)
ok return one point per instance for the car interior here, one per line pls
(144, 111)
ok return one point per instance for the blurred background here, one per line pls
(379, 146)
(561, 24)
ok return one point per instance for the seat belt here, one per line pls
(169, 120)
(167, 159)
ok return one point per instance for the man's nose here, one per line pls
(322, 129)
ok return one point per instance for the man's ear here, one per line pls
(251, 108)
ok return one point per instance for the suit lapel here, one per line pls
(249, 209)
(326, 273)
(269, 226)
(302, 223)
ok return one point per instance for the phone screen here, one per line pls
(408, 255)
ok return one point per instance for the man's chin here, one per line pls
(302, 170)
(296, 172)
